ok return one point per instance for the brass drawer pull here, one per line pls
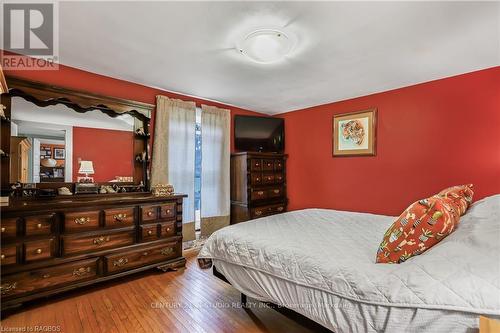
(268, 164)
(167, 251)
(257, 179)
(2, 256)
(279, 209)
(46, 275)
(3, 229)
(150, 213)
(38, 251)
(144, 254)
(82, 220)
(81, 271)
(260, 193)
(7, 287)
(100, 240)
(120, 262)
(269, 178)
(150, 232)
(168, 229)
(39, 225)
(120, 217)
(168, 211)
(276, 191)
(258, 212)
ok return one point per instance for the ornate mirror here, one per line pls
(60, 137)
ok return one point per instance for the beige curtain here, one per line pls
(174, 153)
(215, 158)
(3, 83)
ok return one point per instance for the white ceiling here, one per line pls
(345, 49)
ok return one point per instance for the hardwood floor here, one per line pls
(189, 300)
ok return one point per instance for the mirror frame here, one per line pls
(43, 95)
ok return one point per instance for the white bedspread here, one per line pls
(334, 251)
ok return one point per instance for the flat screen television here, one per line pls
(259, 134)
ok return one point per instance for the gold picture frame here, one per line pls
(355, 133)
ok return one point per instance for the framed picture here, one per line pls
(59, 153)
(354, 134)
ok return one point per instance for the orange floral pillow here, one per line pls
(424, 224)
(461, 195)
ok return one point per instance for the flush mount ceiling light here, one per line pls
(266, 46)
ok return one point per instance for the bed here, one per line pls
(321, 264)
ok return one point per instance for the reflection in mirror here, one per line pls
(48, 144)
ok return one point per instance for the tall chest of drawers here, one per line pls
(53, 245)
(258, 185)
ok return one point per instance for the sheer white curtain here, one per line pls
(215, 156)
(174, 153)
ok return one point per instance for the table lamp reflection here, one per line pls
(86, 168)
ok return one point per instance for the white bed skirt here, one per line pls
(348, 316)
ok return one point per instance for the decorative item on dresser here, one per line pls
(53, 245)
(258, 185)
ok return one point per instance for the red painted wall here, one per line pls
(111, 152)
(74, 78)
(430, 136)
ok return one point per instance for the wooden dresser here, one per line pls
(258, 185)
(53, 245)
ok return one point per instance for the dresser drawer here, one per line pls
(267, 210)
(8, 255)
(141, 257)
(278, 178)
(8, 228)
(149, 213)
(73, 244)
(278, 165)
(38, 250)
(32, 281)
(275, 192)
(116, 218)
(167, 229)
(38, 225)
(268, 178)
(255, 164)
(149, 232)
(256, 178)
(81, 221)
(258, 194)
(268, 165)
(167, 211)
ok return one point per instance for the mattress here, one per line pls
(321, 263)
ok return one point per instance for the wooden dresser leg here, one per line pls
(10, 309)
(244, 304)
